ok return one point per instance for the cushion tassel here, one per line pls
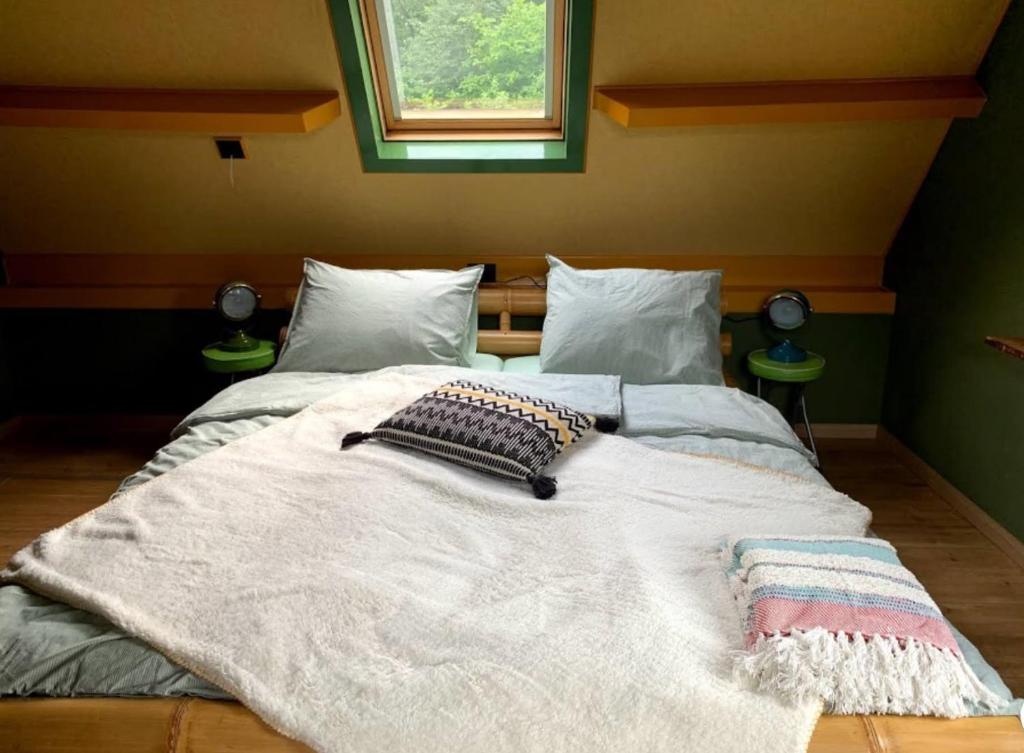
(543, 486)
(354, 437)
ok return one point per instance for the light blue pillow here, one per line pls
(648, 326)
(357, 320)
(522, 365)
(486, 362)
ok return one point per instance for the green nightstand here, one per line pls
(799, 374)
(234, 362)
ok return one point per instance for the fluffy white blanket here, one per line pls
(377, 600)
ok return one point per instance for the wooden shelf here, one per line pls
(739, 299)
(835, 284)
(825, 300)
(1013, 346)
(790, 102)
(213, 112)
(750, 270)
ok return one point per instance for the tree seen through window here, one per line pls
(468, 58)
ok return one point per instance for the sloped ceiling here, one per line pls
(772, 189)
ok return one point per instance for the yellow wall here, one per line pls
(802, 189)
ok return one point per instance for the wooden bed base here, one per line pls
(170, 725)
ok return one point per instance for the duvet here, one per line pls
(667, 584)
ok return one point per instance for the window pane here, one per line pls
(467, 58)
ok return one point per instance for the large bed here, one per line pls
(139, 700)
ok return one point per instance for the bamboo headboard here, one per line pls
(507, 301)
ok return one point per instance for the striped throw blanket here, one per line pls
(841, 619)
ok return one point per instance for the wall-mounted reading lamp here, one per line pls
(787, 310)
(237, 303)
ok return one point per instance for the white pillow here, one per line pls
(648, 326)
(358, 320)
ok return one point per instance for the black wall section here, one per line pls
(149, 361)
(111, 361)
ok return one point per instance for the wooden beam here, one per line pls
(790, 102)
(760, 270)
(511, 343)
(835, 284)
(527, 342)
(213, 112)
(499, 298)
(915, 734)
(824, 300)
(740, 300)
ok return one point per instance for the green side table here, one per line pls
(234, 362)
(799, 374)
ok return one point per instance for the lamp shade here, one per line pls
(787, 309)
(236, 301)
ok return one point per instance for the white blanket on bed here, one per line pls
(377, 600)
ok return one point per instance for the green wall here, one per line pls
(958, 268)
(855, 347)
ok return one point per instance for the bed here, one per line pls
(190, 714)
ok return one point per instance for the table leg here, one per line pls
(802, 402)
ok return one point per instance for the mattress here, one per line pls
(51, 649)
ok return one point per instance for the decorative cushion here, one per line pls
(495, 431)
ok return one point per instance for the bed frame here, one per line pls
(169, 725)
(192, 725)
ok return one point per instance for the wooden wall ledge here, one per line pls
(214, 112)
(790, 102)
(1012, 346)
(835, 284)
(830, 300)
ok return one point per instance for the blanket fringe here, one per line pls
(855, 674)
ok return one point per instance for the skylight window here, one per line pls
(467, 69)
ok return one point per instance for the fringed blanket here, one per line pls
(841, 619)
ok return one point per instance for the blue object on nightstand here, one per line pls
(787, 352)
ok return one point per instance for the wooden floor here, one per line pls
(52, 470)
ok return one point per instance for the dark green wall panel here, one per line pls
(148, 361)
(8, 403)
(855, 348)
(111, 361)
(958, 269)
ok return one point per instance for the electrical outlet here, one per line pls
(231, 147)
(490, 273)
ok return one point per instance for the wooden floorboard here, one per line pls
(53, 469)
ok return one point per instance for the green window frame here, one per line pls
(566, 155)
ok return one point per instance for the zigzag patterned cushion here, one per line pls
(495, 431)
